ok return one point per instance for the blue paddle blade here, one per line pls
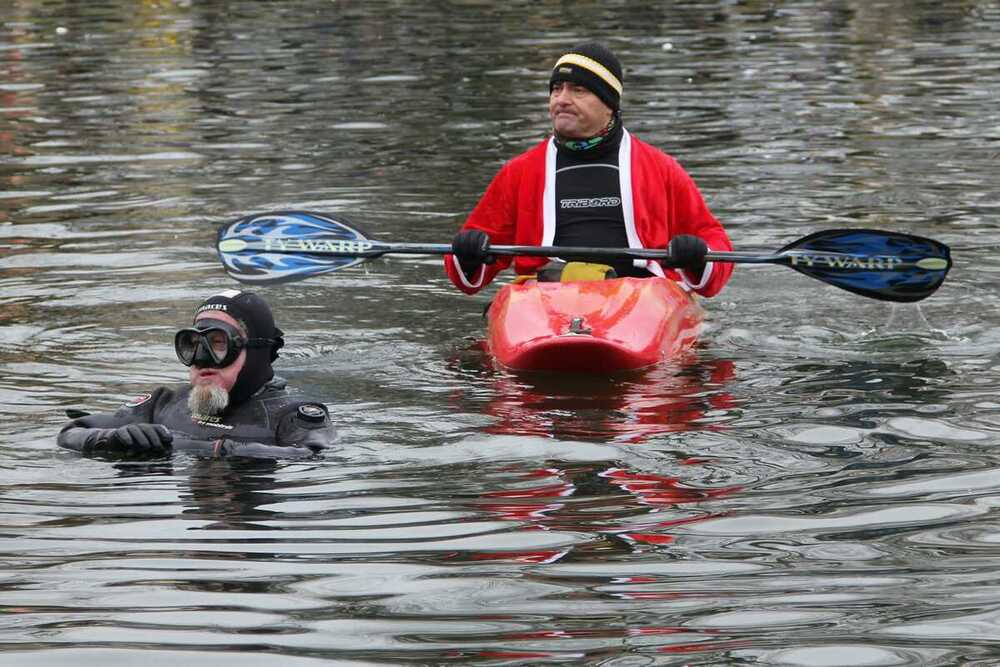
(881, 265)
(254, 249)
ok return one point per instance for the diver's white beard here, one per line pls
(207, 400)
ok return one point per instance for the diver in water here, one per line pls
(234, 405)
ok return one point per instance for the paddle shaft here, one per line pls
(282, 246)
(334, 247)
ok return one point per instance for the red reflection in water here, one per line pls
(706, 639)
(625, 510)
(626, 409)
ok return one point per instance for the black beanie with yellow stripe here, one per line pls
(593, 66)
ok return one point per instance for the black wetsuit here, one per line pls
(271, 424)
(589, 201)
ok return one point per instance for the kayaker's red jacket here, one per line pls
(659, 201)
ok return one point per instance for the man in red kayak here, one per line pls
(591, 184)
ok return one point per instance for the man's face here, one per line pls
(576, 112)
(221, 377)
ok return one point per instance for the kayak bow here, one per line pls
(598, 326)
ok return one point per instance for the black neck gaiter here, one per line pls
(599, 145)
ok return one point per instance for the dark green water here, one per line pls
(815, 488)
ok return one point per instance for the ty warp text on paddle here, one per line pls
(333, 246)
(860, 262)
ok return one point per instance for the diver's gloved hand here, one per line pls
(472, 249)
(139, 438)
(688, 252)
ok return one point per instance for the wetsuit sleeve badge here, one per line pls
(137, 401)
(312, 414)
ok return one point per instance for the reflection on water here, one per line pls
(628, 408)
(815, 484)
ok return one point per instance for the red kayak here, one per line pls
(599, 326)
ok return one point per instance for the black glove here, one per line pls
(472, 248)
(139, 438)
(688, 252)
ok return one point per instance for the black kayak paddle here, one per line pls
(284, 246)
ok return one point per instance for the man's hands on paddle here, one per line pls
(688, 252)
(472, 249)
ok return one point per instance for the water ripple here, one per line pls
(812, 485)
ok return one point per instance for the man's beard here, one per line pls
(207, 400)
